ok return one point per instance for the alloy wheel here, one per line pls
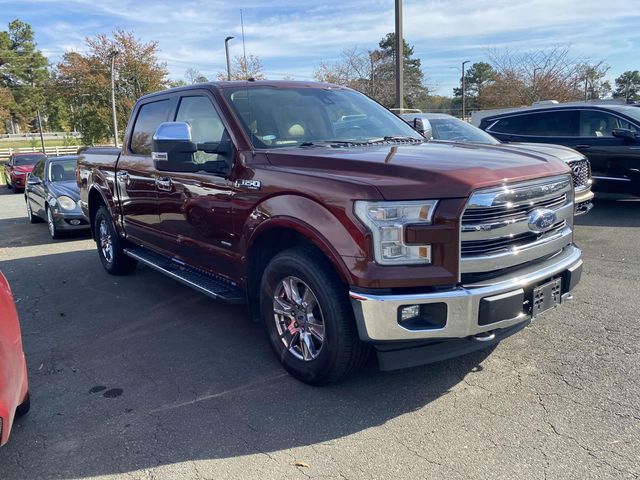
(106, 242)
(299, 318)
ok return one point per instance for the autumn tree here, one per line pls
(244, 68)
(628, 86)
(23, 75)
(85, 81)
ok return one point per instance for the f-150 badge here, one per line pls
(249, 184)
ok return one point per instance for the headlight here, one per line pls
(66, 203)
(387, 221)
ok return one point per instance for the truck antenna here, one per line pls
(244, 50)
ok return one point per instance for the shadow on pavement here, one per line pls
(134, 372)
(612, 210)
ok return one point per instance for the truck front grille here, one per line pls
(497, 228)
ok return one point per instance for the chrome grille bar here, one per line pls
(495, 231)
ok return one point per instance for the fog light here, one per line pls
(75, 221)
(428, 316)
(407, 313)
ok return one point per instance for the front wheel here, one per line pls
(309, 318)
(111, 246)
(54, 231)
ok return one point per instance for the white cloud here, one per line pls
(294, 37)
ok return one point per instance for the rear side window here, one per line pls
(149, 117)
(543, 124)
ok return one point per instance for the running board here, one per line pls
(191, 277)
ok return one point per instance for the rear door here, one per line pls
(549, 126)
(196, 208)
(136, 175)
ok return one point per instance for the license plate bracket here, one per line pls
(546, 297)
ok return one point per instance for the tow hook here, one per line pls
(484, 337)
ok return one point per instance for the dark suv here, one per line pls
(609, 135)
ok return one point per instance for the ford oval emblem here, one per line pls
(541, 220)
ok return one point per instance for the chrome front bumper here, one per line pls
(377, 315)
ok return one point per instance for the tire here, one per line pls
(111, 246)
(32, 218)
(340, 352)
(55, 233)
(24, 407)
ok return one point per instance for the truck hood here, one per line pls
(428, 170)
(565, 154)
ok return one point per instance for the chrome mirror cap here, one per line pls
(173, 131)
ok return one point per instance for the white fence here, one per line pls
(5, 153)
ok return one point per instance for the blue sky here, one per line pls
(293, 37)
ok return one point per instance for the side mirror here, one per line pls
(33, 180)
(423, 126)
(173, 150)
(624, 134)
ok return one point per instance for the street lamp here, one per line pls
(399, 58)
(113, 54)
(226, 51)
(464, 105)
(535, 84)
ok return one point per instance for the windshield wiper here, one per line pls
(318, 143)
(400, 138)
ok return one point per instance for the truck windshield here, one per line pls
(298, 116)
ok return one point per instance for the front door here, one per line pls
(613, 159)
(196, 208)
(136, 175)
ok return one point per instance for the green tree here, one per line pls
(23, 74)
(628, 86)
(415, 90)
(373, 72)
(85, 81)
(476, 79)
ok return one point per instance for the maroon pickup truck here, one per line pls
(334, 221)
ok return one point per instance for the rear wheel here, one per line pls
(309, 319)
(32, 218)
(111, 246)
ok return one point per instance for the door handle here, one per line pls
(165, 184)
(582, 146)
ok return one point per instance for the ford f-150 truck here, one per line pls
(337, 224)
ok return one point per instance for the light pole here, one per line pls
(399, 58)
(464, 96)
(226, 51)
(535, 84)
(113, 55)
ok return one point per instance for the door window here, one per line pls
(149, 117)
(543, 124)
(595, 123)
(206, 125)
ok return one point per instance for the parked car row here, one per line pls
(443, 127)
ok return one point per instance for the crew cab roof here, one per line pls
(247, 84)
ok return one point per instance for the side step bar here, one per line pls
(191, 277)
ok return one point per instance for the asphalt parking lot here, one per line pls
(139, 377)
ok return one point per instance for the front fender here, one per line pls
(334, 231)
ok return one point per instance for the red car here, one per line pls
(18, 167)
(14, 388)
